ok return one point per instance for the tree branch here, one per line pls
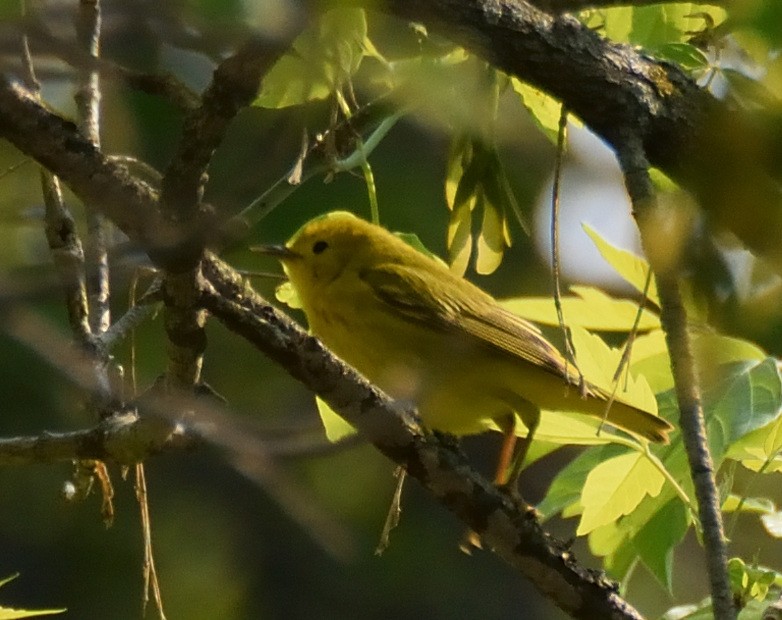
(618, 91)
(166, 86)
(509, 528)
(88, 100)
(674, 321)
(235, 84)
(572, 6)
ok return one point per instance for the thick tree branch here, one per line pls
(564, 6)
(57, 145)
(510, 529)
(234, 85)
(723, 157)
(124, 439)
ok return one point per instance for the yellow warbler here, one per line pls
(420, 333)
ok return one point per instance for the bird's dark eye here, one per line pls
(319, 246)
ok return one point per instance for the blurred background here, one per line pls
(225, 548)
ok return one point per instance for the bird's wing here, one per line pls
(456, 306)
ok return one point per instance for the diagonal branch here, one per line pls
(619, 91)
(235, 83)
(509, 528)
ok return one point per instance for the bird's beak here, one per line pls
(278, 251)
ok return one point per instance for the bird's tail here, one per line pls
(629, 418)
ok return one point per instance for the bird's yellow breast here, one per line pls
(441, 373)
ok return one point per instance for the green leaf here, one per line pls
(458, 155)
(565, 489)
(615, 487)
(686, 55)
(475, 180)
(8, 579)
(761, 449)
(607, 540)
(321, 58)
(740, 398)
(7, 613)
(545, 110)
(615, 23)
(599, 362)
(715, 349)
(570, 428)
(761, 505)
(492, 239)
(335, 426)
(589, 308)
(652, 26)
(459, 238)
(750, 582)
(656, 541)
(650, 359)
(286, 294)
(414, 240)
(631, 267)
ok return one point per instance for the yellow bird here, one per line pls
(422, 334)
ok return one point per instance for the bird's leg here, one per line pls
(509, 441)
(531, 418)
(507, 424)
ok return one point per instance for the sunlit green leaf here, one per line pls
(606, 539)
(761, 505)
(750, 582)
(599, 362)
(286, 294)
(321, 57)
(545, 110)
(459, 238)
(589, 308)
(565, 489)
(571, 428)
(652, 26)
(615, 487)
(760, 450)
(631, 267)
(492, 239)
(7, 613)
(716, 349)
(650, 359)
(335, 426)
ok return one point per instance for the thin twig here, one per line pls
(570, 351)
(61, 234)
(674, 320)
(149, 570)
(166, 86)
(378, 116)
(88, 99)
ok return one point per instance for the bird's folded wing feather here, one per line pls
(458, 307)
